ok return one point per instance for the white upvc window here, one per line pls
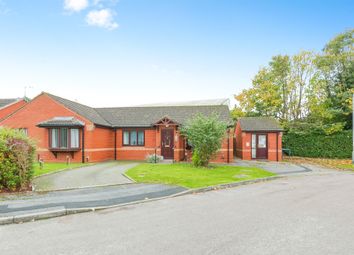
(74, 138)
(64, 138)
(54, 138)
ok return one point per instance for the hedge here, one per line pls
(16, 160)
(316, 145)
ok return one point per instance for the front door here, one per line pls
(259, 146)
(167, 143)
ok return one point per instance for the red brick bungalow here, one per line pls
(8, 106)
(64, 130)
(258, 138)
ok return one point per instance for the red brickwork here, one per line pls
(244, 143)
(7, 110)
(99, 141)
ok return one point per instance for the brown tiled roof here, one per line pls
(259, 124)
(148, 116)
(6, 101)
(142, 116)
(85, 111)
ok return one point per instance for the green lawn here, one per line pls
(346, 166)
(53, 167)
(186, 175)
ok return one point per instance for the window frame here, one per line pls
(62, 136)
(59, 147)
(130, 130)
(126, 144)
(51, 138)
(23, 130)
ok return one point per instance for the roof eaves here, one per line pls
(130, 126)
(263, 130)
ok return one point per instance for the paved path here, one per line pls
(84, 198)
(309, 215)
(282, 168)
(109, 173)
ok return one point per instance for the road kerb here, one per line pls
(6, 220)
(51, 214)
(232, 185)
(38, 216)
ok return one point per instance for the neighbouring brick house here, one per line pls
(64, 130)
(8, 106)
(258, 138)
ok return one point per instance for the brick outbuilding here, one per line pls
(258, 138)
(66, 130)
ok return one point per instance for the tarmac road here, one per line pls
(307, 214)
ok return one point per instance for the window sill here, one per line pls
(64, 150)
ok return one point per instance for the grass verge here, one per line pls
(187, 176)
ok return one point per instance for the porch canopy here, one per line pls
(61, 122)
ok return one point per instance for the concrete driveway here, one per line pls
(109, 173)
(309, 214)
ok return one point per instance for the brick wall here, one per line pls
(239, 143)
(99, 144)
(6, 111)
(136, 152)
(272, 146)
(244, 143)
(153, 141)
(98, 141)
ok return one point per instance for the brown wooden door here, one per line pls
(167, 144)
(262, 148)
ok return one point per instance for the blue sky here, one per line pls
(128, 52)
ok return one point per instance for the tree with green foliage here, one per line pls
(205, 135)
(307, 87)
(263, 98)
(16, 160)
(336, 75)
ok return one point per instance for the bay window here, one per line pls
(64, 138)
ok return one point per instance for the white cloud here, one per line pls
(75, 5)
(101, 18)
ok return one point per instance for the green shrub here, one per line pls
(317, 145)
(205, 135)
(16, 160)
